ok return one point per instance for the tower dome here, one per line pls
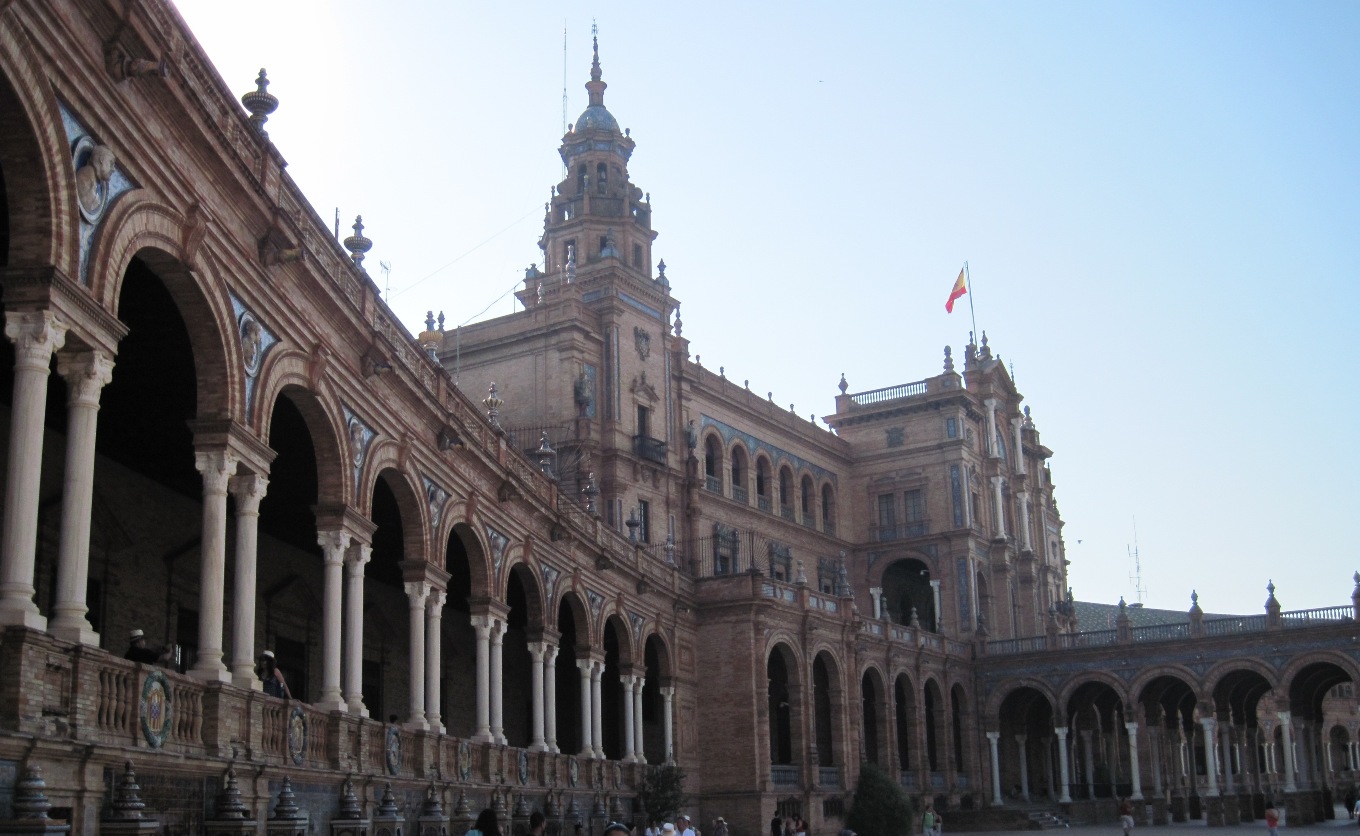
(596, 117)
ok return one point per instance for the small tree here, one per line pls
(663, 792)
(880, 807)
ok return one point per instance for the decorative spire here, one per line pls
(387, 805)
(357, 244)
(286, 808)
(843, 385)
(349, 802)
(948, 359)
(595, 86)
(30, 800)
(229, 803)
(493, 404)
(431, 808)
(260, 102)
(127, 797)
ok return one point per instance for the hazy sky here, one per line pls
(1159, 203)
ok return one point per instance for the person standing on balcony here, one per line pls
(139, 651)
(272, 677)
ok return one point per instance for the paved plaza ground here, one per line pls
(1199, 828)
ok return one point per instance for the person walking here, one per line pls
(486, 823)
(1126, 815)
(1272, 819)
(928, 819)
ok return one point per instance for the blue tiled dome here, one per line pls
(596, 117)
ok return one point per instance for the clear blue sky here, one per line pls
(1159, 202)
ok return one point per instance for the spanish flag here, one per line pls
(960, 288)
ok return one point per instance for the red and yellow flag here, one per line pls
(960, 288)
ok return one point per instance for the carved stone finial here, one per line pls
(387, 805)
(441, 320)
(844, 385)
(915, 619)
(127, 797)
(432, 808)
(590, 492)
(545, 456)
(1194, 598)
(229, 803)
(493, 404)
(521, 806)
(679, 326)
(260, 102)
(30, 798)
(461, 808)
(633, 524)
(948, 359)
(1357, 580)
(660, 265)
(1270, 587)
(670, 549)
(1122, 605)
(286, 808)
(357, 244)
(349, 802)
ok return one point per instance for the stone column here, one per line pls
(1287, 739)
(993, 450)
(1210, 759)
(1225, 737)
(550, 680)
(993, 740)
(498, 629)
(248, 489)
(640, 749)
(629, 742)
(876, 597)
(1020, 741)
(1155, 743)
(86, 374)
(935, 592)
(35, 334)
(358, 555)
(417, 594)
(587, 736)
(1016, 425)
(1135, 772)
(333, 544)
(1025, 542)
(667, 722)
(596, 709)
(217, 467)
(1088, 763)
(434, 657)
(1066, 797)
(1000, 501)
(482, 625)
(536, 653)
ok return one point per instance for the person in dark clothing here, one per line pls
(139, 651)
(272, 677)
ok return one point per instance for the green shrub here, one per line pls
(880, 807)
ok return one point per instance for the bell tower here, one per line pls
(597, 218)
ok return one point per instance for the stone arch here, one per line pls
(658, 672)
(1087, 678)
(905, 714)
(206, 313)
(784, 708)
(828, 504)
(807, 494)
(572, 600)
(571, 617)
(873, 715)
(617, 617)
(1025, 719)
(828, 708)
(713, 459)
(1228, 668)
(739, 470)
(35, 164)
(325, 431)
(788, 488)
(465, 543)
(763, 470)
(933, 706)
(906, 587)
(535, 598)
(408, 496)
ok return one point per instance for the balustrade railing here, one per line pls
(907, 778)
(1233, 626)
(713, 484)
(1311, 618)
(739, 494)
(828, 776)
(763, 503)
(889, 393)
(783, 775)
(1160, 632)
(651, 449)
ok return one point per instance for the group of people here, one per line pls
(681, 827)
(266, 668)
(790, 826)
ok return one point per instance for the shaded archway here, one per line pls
(1025, 722)
(784, 705)
(524, 624)
(826, 709)
(873, 716)
(1169, 704)
(904, 706)
(907, 594)
(573, 628)
(458, 644)
(618, 662)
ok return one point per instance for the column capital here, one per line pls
(1021, 738)
(482, 624)
(434, 605)
(994, 736)
(36, 335)
(217, 467)
(248, 489)
(537, 650)
(86, 374)
(417, 592)
(356, 556)
(333, 545)
(1132, 728)
(498, 630)
(585, 666)
(1061, 732)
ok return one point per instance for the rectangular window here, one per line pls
(915, 506)
(644, 521)
(637, 255)
(951, 427)
(887, 516)
(644, 422)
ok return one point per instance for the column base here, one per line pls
(211, 673)
(540, 746)
(333, 703)
(21, 614)
(434, 725)
(483, 737)
(74, 631)
(416, 725)
(247, 681)
(356, 705)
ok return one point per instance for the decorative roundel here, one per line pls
(94, 166)
(465, 760)
(357, 441)
(155, 709)
(523, 767)
(252, 343)
(573, 771)
(392, 751)
(297, 735)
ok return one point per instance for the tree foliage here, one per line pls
(663, 793)
(880, 807)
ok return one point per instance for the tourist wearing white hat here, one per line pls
(271, 677)
(684, 826)
(139, 651)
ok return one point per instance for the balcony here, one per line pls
(829, 527)
(739, 494)
(809, 520)
(713, 484)
(763, 502)
(651, 449)
(783, 775)
(828, 776)
(786, 511)
(884, 533)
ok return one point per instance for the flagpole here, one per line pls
(968, 277)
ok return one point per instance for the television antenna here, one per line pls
(564, 89)
(387, 280)
(1137, 577)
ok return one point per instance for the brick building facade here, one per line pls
(528, 595)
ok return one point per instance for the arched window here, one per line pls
(809, 502)
(828, 510)
(712, 458)
(786, 492)
(581, 179)
(763, 483)
(601, 178)
(739, 474)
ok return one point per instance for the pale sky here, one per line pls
(1158, 201)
